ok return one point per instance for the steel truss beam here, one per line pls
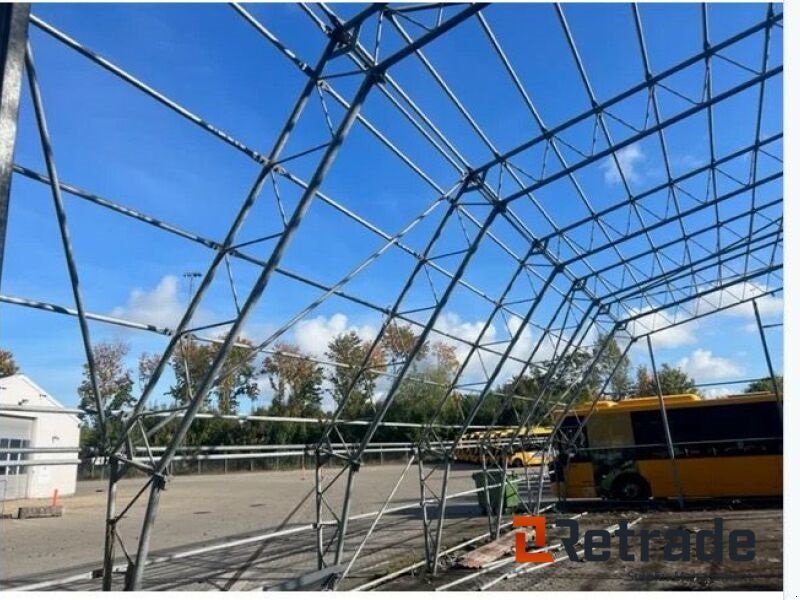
(279, 169)
(13, 39)
(344, 31)
(339, 34)
(433, 543)
(577, 291)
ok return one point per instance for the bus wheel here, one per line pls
(630, 487)
(517, 463)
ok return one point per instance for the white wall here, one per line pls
(53, 430)
(49, 430)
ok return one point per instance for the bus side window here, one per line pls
(648, 428)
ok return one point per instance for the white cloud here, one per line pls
(159, 306)
(672, 337)
(683, 334)
(314, 335)
(687, 161)
(768, 306)
(452, 323)
(704, 366)
(737, 295)
(628, 158)
(718, 392)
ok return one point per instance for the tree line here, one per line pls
(297, 384)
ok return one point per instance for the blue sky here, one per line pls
(114, 141)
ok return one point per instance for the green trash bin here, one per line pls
(495, 478)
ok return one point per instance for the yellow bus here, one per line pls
(530, 455)
(725, 447)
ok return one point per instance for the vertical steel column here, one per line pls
(486, 496)
(374, 524)
(776, 390)
(13, 38)
(348, 492)
(665, 420)
(442, 508)
(423, 502)
(447, 455)
(501, 503)
(325, 437)
(546, 450)
(318, 510)
(354, 459)
(133, 578)
(111, 525)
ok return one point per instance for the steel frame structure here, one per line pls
(591, 280)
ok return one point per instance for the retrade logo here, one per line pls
(595, 545)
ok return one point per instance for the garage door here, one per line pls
(15, 433)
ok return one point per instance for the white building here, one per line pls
(27, 422)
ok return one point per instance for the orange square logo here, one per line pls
(539, 540)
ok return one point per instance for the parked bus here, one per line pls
(530, 455)
(725, 447)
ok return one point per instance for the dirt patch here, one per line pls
(764, 572)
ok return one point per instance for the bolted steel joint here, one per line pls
(159, 481)
(377, 75)
(341, 36)
(473, 176)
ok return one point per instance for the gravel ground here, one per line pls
(204, 510)
(200, 511)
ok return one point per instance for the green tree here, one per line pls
(348, 351)
(236, 379)
(442, 371)
(545, 385)
(445, 362)
(115, 384)
(145, 367)
(420, 393)
(765, 385)
(620, 383)
(296, 381)
(7, 364)
(399, 341)
(673, 381)
(190, 362)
